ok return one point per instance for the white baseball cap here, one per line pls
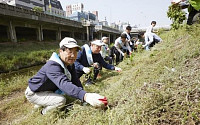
(104, 38)
(97, 42)
(69, 43)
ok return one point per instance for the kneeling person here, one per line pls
(59, 74)
(120, 47)
(90, 57)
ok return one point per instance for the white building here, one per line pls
(77, 7)
(70, 9)
(27, 4)
(54, 7)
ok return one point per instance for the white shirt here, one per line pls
(104, 50)
(120, 45)
(128, 37)
(149, 37)
(149, 29)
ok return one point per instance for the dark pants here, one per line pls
(191, 15)
(109, 59)
(154, 42)
(96, 72)
(119, 56)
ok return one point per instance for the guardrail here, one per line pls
(107, 29)
(8, 10)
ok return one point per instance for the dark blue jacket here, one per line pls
(51, 77)
(81, 61)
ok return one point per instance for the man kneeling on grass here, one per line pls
(90, 57)
(59, 74)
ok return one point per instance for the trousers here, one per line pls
(47, 99)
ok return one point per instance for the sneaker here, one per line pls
(89, 82)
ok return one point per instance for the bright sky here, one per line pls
(136, 12)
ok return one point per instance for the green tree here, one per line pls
(177, 16)
(37, 9)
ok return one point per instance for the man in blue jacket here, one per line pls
(59, 74)
(90, 57)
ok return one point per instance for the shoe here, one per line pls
(89, 82)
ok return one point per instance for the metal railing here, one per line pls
(8, 10)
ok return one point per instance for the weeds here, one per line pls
(145, 92)
(21, 55)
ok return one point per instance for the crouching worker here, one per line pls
(90, 57)
(105, 50)
(59, 74)
(120, 47)
(150, 40)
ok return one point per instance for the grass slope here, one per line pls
(161, 86)
(15, 56)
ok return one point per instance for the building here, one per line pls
(104, 23)
(122, 25)
(79, 16)
(95, 13)
(114, 25)
(77, 7)
(27, 4)
(70, 9)
(54, 7)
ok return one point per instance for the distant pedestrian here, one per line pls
(59, 74)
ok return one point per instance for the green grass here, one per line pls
(147, 91)
(15, 56)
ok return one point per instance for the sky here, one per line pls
(135, 12)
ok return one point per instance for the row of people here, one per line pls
(62, 72)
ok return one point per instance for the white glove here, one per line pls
(95, 65)
(86, 70)
(95, 99)
(118, 69)
(122, 54)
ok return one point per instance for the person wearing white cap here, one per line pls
(90, 57)
(105, 50)
(59, 74)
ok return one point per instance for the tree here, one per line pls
(37, 9)
(177, 16)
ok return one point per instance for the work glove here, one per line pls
(96, 65)
(118, 69)
(95, 99)
(86, 70)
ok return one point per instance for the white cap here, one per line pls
(69, 43)
(104, 38)
(97, 42)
